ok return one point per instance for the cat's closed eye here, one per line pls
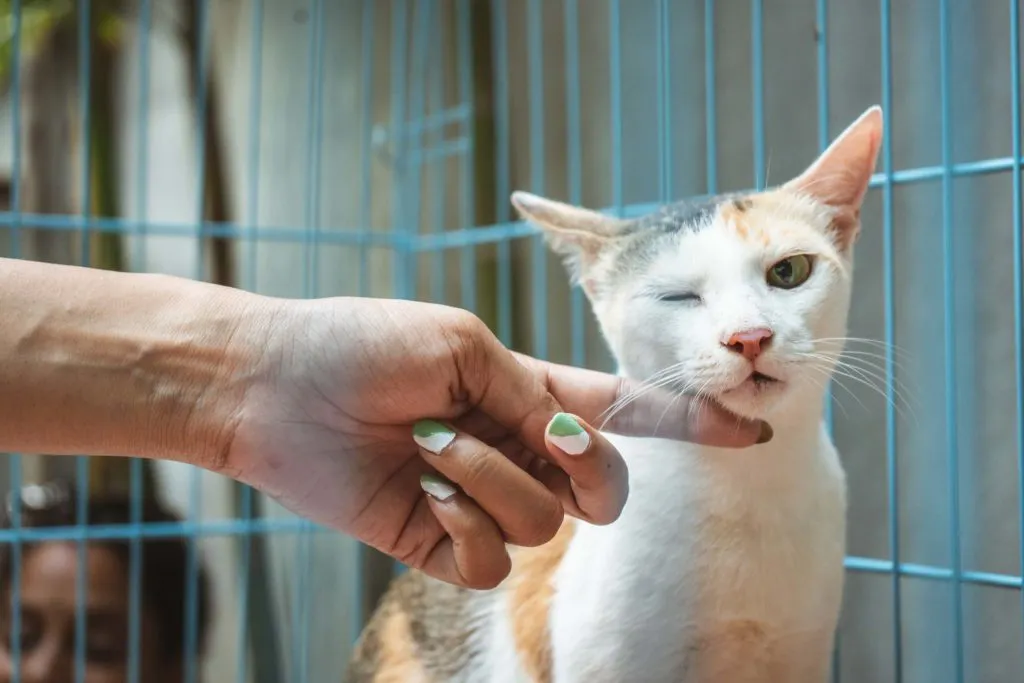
(677, 297)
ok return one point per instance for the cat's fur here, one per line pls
(726, 566)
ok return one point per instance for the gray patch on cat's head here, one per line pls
(642, 239)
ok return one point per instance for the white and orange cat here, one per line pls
(726, 565)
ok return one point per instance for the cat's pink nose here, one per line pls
(749, 343)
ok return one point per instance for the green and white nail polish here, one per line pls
(432, 436)
(436, 487)
(567, 434)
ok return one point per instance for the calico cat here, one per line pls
(726, 566)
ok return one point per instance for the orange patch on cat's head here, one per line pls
(531, 586)
(743, 217)
(767, 219)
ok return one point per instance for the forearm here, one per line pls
(93, 362)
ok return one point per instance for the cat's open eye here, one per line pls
(681, 297)
(790, 272)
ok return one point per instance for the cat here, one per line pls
(726, 565)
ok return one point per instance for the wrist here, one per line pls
(206, 358)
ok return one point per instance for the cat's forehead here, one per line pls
(651, 236)
(720, 228)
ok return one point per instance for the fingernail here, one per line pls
(766, 433)
(436, 487)
(432, 436)
(568, 435)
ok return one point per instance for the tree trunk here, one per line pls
(215, 190)
(48, 127)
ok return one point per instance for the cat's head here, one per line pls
(742, 298)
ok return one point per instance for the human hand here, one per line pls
(359, 405)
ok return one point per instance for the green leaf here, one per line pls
(39, 18)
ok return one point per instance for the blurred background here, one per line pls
(309, 148)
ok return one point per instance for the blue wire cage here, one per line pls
(369, 147)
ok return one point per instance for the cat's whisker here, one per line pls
(826, 374)
(872, 376)
(868, 363)
(841, 372)
(678, 395)
(813, 380)
(877, 362)
(900, 388)
(643, 388)
(695, 405)
(661, 418)
(896, 349)
(663, 377)
(647, 385)
(699, 402)
(876, 356)
(870, 371)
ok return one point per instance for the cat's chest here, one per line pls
(755, 543)
(765, 568)
(703, 572)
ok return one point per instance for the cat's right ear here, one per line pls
(577, 234)
(840, 177)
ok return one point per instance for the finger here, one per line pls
(513, 396)
(527, 512)
(648, 412)
(473, 553)
(591, 479)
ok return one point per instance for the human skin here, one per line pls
(314, 402)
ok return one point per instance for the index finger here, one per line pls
(644, 412)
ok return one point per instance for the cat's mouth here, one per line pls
(760, 379)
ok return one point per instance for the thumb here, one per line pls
(508, 391)
(523, 394)
(631, 408)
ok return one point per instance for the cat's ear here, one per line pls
(839, 178)
(577, 234)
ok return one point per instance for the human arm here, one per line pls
(315, 403)
(108, 363)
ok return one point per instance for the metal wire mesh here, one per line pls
(370, 147)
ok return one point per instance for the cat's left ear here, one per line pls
(839, 178)
(578, 235)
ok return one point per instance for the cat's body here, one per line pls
(726, 565)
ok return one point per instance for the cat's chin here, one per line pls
(753, 398)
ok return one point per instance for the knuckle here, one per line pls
(469, 330)
(411, 550)
(413, 542)
(477, 465)
(468, 343)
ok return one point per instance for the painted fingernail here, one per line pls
(432, 436)
(436, 487)
(766, 433)
(567, 434)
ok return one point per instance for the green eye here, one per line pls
(790, 272)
